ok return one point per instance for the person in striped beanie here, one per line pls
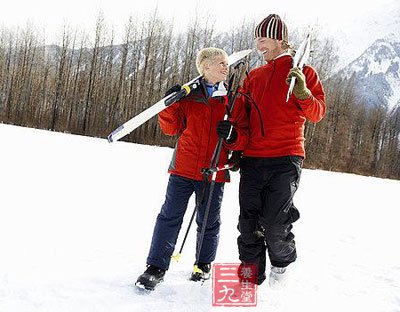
(274, 151)
(271, 37)
(272, 27)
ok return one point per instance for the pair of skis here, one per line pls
(300, 58)
(153, 110)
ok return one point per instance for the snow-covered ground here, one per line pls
(77, 214)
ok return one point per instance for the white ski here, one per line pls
(300, 58)
(153, 110)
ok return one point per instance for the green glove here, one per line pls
(300, 89)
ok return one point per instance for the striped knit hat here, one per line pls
(272, 27)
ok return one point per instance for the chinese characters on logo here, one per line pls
(234, 284)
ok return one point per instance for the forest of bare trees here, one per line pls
(90, 87)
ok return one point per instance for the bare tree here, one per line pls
(91, 88)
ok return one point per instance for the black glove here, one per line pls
(175, 88)
(226, 131)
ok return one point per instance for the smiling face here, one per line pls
(269, 48)
(216, 70)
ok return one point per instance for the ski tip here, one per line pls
(116, 134)
(237, 56)
(110, 139)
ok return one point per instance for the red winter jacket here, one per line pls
(195, 119)
(276, 128)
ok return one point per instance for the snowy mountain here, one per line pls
(377, 73)
(77, 214)
(357, 33)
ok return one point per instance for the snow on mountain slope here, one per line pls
(377, 73)
(77, 214)
(366, 25)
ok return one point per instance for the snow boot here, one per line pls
(277, 276)
(150, 278)
(201, 272)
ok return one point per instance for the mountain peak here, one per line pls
(377, 73)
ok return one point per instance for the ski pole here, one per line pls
(177, 256)
(209, 199)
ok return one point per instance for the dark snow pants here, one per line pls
(169, 221)
(267, 187)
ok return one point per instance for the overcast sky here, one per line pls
(342, 19)
(51, 15)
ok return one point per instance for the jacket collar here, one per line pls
(282, 58)
(221, 90)
(282, 55)
(200, 94)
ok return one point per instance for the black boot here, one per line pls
(201, 272)
(150, 278)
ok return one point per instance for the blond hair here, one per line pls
(207, 56)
